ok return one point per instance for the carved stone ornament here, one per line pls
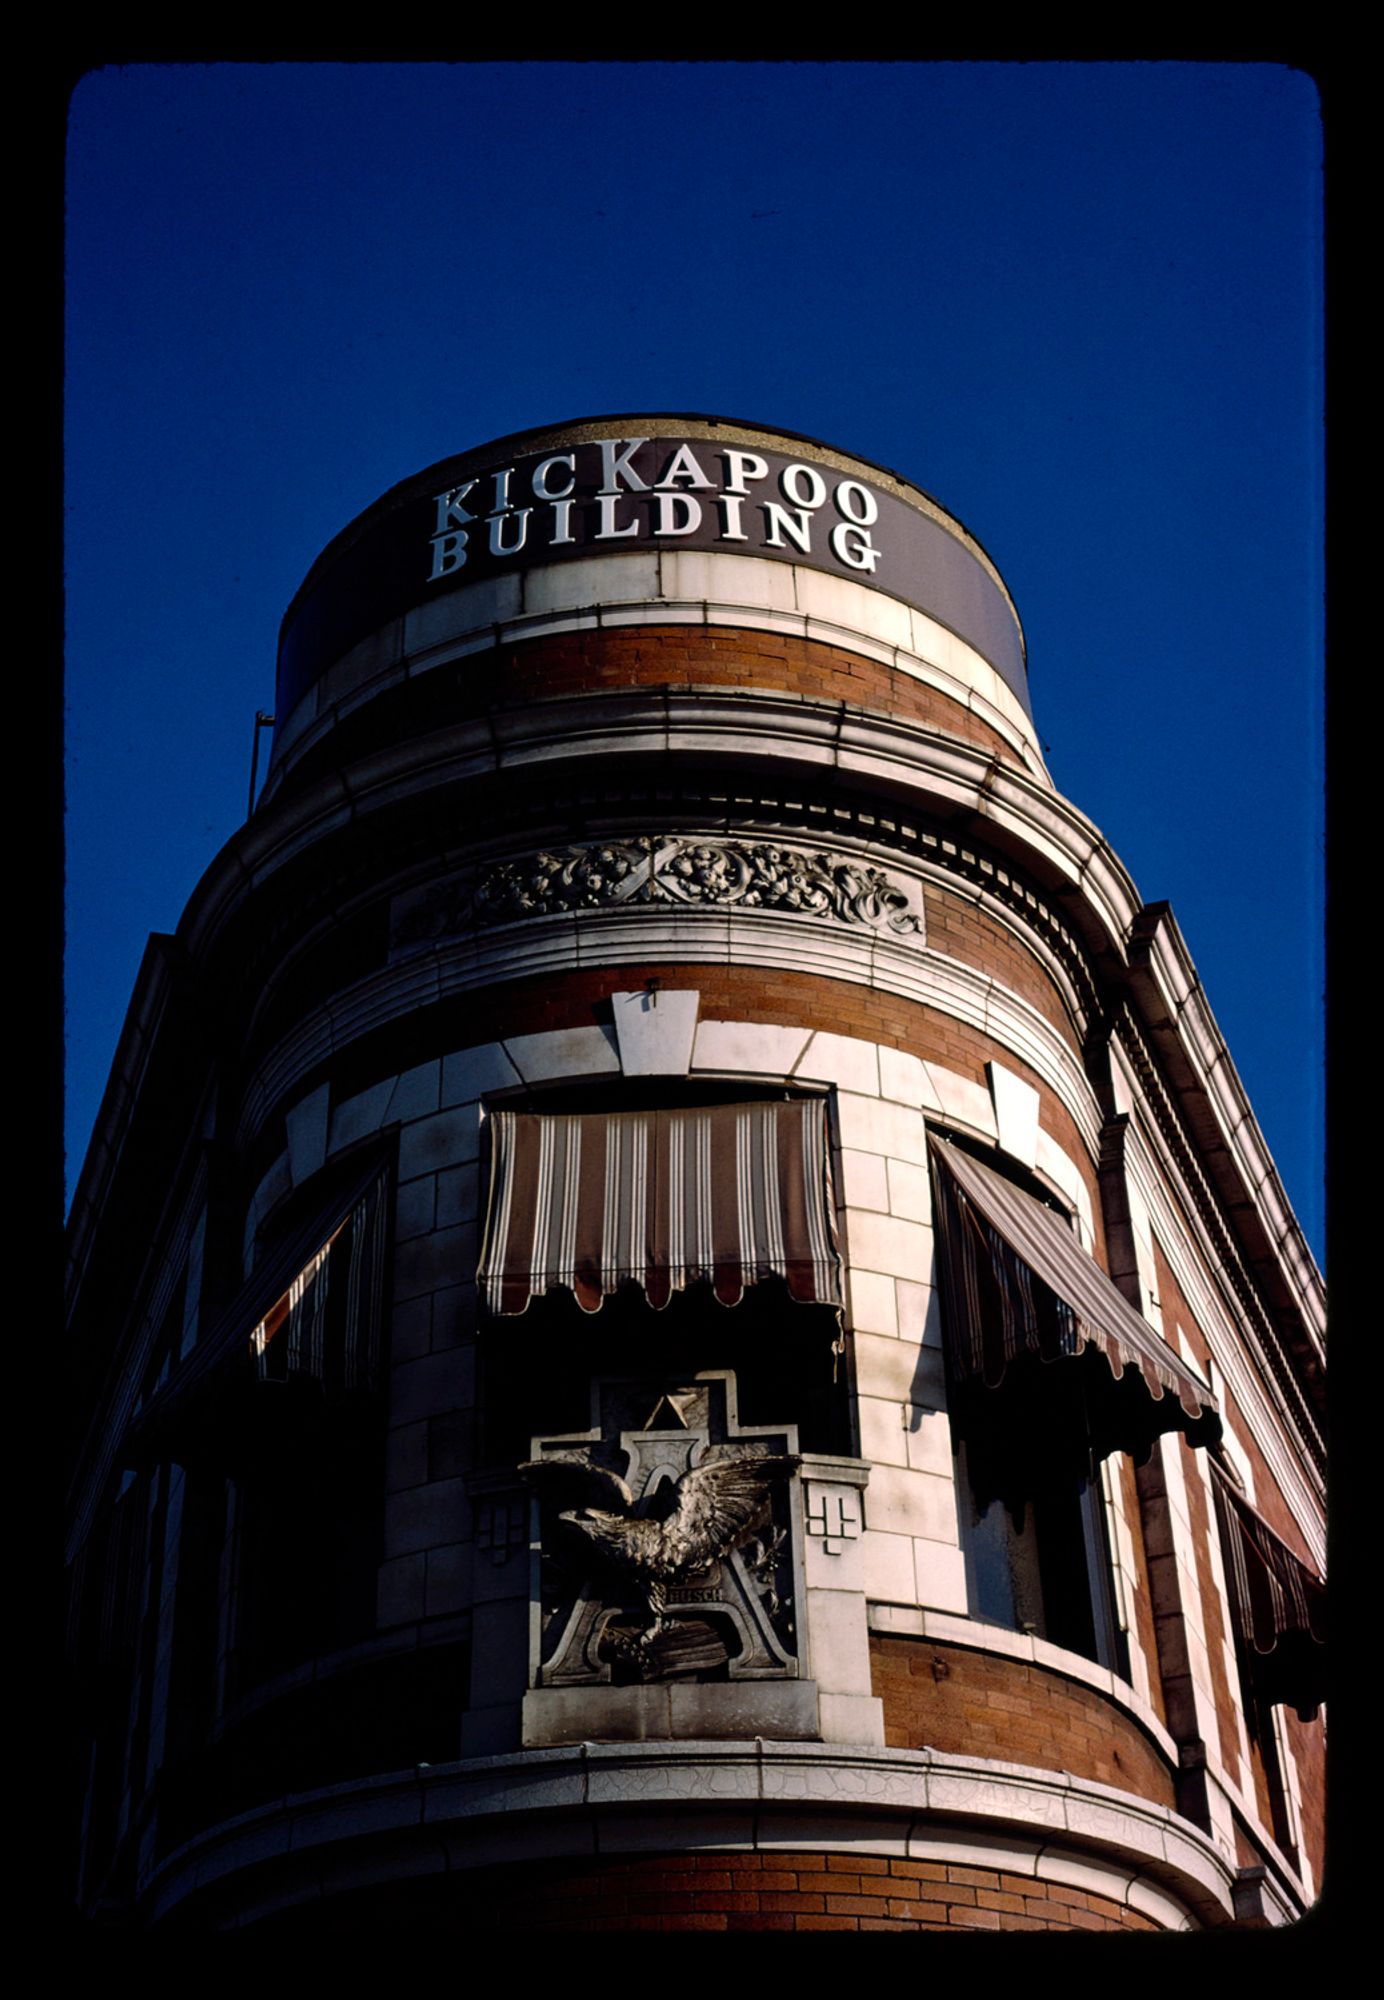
(678, 1566)
(707, 873)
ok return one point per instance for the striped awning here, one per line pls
(311, 1312)
(1277, 1604)
(325, 1325)
(1021, 1291)
(659, 1199)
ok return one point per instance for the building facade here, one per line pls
(678, 1317)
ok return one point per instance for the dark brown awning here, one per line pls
(1277, 1605)
(1020, 1293)
(731, 1193)
(310, 1313)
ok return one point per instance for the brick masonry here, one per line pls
(687, 656)
(955, 926)
(942, 1697)
(761, 1891)
(1308, 1743)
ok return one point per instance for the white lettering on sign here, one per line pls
(667, 522)
(795, 524)
(682, 465)
(856, 502)
(730, 505)
(615, 462)
(795, 478)
(498, 545)
(853, 546)
(450, 509)
(449, 553)
(542, 490)
(560, 487)
(738, 469)
(608, 531)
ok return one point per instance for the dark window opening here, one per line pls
(308, 1532)
(307, 1457)
(537, 1369)
(107, 1581)
(1277, 1607)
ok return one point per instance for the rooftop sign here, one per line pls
(619, 490)
(590, 497)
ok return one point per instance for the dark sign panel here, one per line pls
(620, 495)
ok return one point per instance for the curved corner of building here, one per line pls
(680, 1320)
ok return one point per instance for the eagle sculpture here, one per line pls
(712, 1509)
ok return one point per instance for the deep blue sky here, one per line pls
(1080, 304)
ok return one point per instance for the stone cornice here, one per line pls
(1176, 1009)
(919, 768)
(709, 871)
(1242, 1343)
(610, 1799)
(1287, 1349)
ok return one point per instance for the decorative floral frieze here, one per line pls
(669, 869)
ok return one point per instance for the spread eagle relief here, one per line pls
(682, 1569)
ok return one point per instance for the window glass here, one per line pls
(1039, 1566)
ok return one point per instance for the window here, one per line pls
(1277, 1608)
(680, 1286)
(1049, 1371)
(656, 1221)
(279, 1396)
(1040, 1565)
(308, 1320)
(324, 1327)
(308, 1458)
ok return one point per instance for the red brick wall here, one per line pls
(750, 1892)
(984, 1705)
(955, 926)
(711, 656)
(1308, 1743)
